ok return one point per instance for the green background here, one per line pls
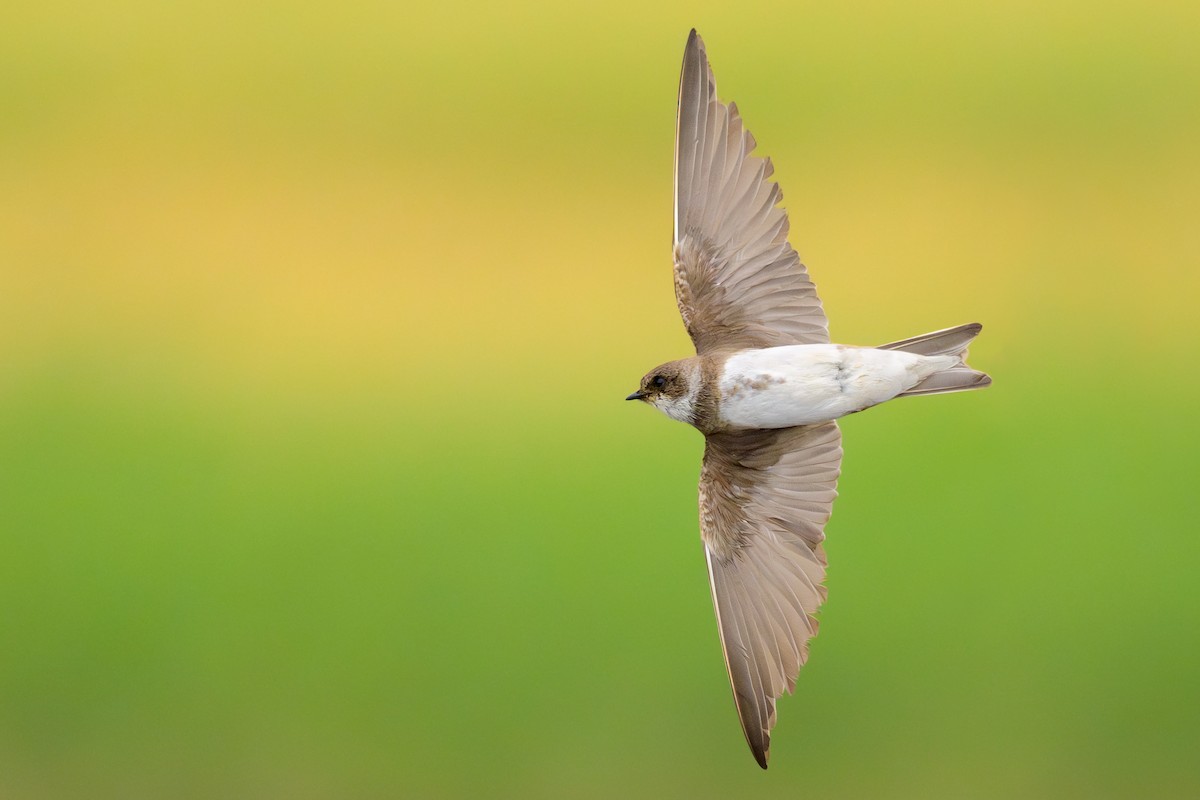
(316, 479)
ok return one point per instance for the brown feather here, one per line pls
(765, 497)
(738, 282)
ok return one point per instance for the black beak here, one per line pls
(638, 395)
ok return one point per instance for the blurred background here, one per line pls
(316, 477)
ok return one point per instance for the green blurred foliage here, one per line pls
(315, 476)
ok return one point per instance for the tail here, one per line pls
(948, 342)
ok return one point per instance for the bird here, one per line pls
(766, 387)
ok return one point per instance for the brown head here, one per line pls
(672, 388)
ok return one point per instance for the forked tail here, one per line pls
(949, 342)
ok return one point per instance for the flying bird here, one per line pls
(765, 387)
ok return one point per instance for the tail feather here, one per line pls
(946, 342)
(949, 342)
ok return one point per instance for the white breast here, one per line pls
(778, 387)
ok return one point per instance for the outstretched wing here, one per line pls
(738, 282)
(765, 497)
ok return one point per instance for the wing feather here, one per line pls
(730, 234)
(765, 497)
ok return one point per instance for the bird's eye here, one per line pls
(659, 381)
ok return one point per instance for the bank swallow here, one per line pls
(765, 387)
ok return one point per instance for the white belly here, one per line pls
(778, 387)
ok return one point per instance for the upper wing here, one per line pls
(765, 497)
(738, 282)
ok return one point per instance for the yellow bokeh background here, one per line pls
(315, 474)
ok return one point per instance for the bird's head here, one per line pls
(671, 388)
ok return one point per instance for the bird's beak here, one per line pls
(638, 395)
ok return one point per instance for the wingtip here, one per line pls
(762, 757)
